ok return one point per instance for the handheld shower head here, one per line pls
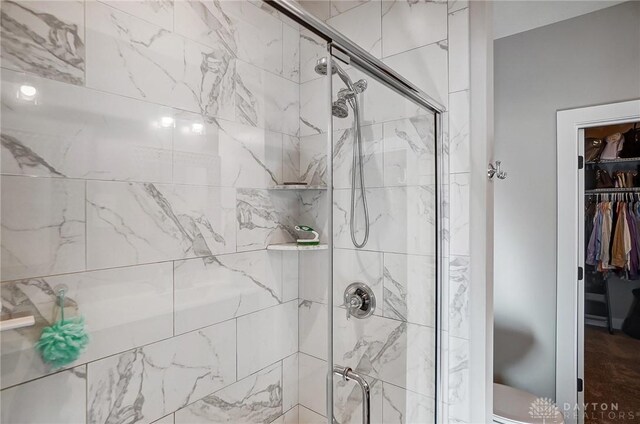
(339, 108)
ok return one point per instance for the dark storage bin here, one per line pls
(631, 325)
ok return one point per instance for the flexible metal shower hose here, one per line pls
(357, 167)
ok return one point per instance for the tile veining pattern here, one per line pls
(137, 174)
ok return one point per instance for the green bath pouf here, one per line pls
(62, 343)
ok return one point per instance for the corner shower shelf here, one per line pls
(298, 187)
(295, 246)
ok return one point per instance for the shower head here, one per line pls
(339, 108)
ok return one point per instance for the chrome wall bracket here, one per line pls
(496, 170)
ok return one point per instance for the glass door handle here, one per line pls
(348, 374)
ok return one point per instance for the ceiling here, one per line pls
(515, 16)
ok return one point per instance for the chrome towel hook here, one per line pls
(496, 170)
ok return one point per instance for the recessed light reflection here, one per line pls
(27, 92)
(166, 122)
(197, 128)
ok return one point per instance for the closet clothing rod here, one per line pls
(613, 190)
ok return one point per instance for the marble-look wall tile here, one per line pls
(45, 38)
(314, 211)
(458, 305)
(312, 323)
(401, 406)
(131, 223)
(291, 53)
(314, 113)
(257, 333)
(313, 159)
(131, 57)
(362, 266)
(459, 226)
(69, 131)
(409, 151)
(169, 419)
(459, 50)
(426, 67)
(407, 24)
(266, 100)
(251, 157)
(158, 12)
(290, 382)
(114, 322)
(289, 417)
(341, 6)
(290, 159)
(196, 154)
(409, 288)
(307, 416)
(321, 9)
(43, 227)
(255, 399)
(208, 22)
(459, 155)
(455, 5)
(348, 401)
(397, 352)
(372, 156)
(60, 399)
(258, 37)
(402, 219)
(264, 217)
(362, 25)
(458, 389)
(142, 385)
(217, 288)
(312, 48)
(290, 276)
(312, 386)
(314, 275)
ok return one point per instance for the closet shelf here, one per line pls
(613, 190)
(296, 246)
(619, 160)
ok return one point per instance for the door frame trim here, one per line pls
(570, 204)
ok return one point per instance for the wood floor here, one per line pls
(612, 375)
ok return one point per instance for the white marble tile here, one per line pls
(402, 219)
(455, 5)
(158, 12)
(459, 279)
(262, 329)
(258, 37)
(459, 50)
(426, 67)
(291, 53)
(290, 382)
(348, 401)
(313, 159)
(404, 407)
(207, 22)
(314, 211)
(313, 378)
(409, 288)
(264, 217)
(372, 156)
(43, 226)
(169, 419)
(458, 394)
(314, 275)
(266, 100)
(290, 276)
(251, 157)
(131, 223)
(459, 226)
(255, 399)
(289, 417)
(314, 110)
(196, 154)
(217, 288)
(362, 25)
(73, 132)
(312, 323)
(45, 38)
(341, 6)
(307, 416)
(407, 24)
(363, 266)
(142, 385)
(114, 322)
(128, 56)
(312, 48)
(459, 155)
(397, 352)
(321, 9)
(57, 399)
(290, 158)
(409, 151)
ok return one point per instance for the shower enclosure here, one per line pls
(156, 159)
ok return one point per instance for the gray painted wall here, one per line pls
(591, 59)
